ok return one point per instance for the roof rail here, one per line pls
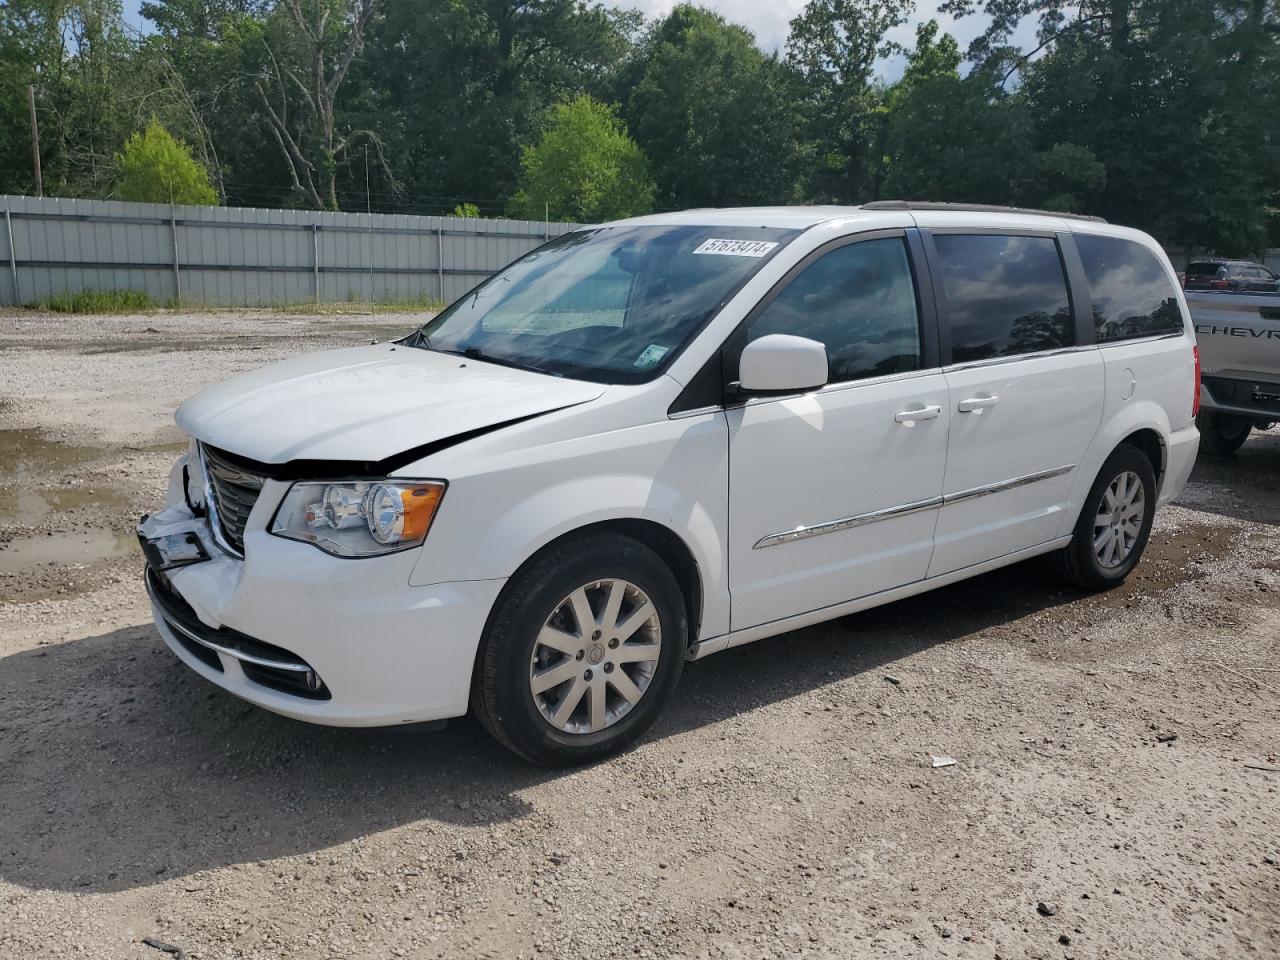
(971, 208)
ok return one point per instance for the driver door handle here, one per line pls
(973, 404)
(920, 413)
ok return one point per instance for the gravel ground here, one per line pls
(1116, 753)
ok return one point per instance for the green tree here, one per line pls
(207, 54)
(584, 169)
(713, 113)
(311, 45)
(1177, 100)
(834, 47)
(468, 211)
(156, 168)
(89, 85)
(952, 138)
(1068, 177)
(457, 88)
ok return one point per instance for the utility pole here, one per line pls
(35, 139)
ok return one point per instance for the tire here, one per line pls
(1222, 433)
(1095, 567)
(533, 639)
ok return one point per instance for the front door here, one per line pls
(1025, 402)
(834, 494)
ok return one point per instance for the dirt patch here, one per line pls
(786, 805)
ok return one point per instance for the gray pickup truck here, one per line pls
(1239, 338)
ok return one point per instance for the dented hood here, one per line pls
(368, 404)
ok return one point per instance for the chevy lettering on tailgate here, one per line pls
(1214, 330)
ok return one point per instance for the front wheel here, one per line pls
(1222, 433)
(582, 652)
(1114, 524)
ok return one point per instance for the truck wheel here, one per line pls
(1222, 433)
(1114, 524)
(582, 651)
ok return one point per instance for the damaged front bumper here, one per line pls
(334, 641)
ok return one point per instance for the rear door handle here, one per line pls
(974, 404)
(921, 413)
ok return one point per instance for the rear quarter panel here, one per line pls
(1149, 384)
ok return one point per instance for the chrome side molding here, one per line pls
(1004, 485)
(862, 519)
(847, 523)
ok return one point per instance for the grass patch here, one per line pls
(340, 307)
(137, 301)
(98, 301)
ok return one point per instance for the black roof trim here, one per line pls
(971, 208)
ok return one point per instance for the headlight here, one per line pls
(360, 518)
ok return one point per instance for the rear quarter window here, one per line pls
(1131, 293)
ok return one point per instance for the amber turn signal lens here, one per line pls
(420, 505)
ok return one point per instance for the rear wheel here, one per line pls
(582, 652)
(1114, 524)
(1222, 433)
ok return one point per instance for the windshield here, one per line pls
(1204, 269)
(608, 304)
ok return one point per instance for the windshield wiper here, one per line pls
(422, 341)
(475, 353)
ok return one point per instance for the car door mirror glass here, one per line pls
(782, 363)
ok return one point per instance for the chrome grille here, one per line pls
(230, 493)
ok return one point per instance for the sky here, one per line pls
(769, 21)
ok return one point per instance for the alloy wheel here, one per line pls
(595, 656)
(1118, 523)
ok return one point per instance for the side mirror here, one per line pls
(781, 363)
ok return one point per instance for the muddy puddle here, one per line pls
(28, 451)
(31, 505)
(43, 491)
(69, 549)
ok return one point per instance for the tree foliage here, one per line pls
(153, 167)
(584, 168)
(834, 47)
(712, 112)
(1158, 113)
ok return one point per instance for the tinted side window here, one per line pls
(1005, 295)
(859, 301)
(1132, 296)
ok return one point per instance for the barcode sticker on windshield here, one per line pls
(736, 248)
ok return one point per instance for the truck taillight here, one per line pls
(1195, 397)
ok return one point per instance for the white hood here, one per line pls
(367, 403)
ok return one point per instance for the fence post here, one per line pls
(315, 259)
(177, 275)
(13, 259)
(440, 260)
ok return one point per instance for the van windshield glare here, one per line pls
(607, 304)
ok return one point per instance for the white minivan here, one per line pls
(651, 440)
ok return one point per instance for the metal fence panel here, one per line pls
(222, 256)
